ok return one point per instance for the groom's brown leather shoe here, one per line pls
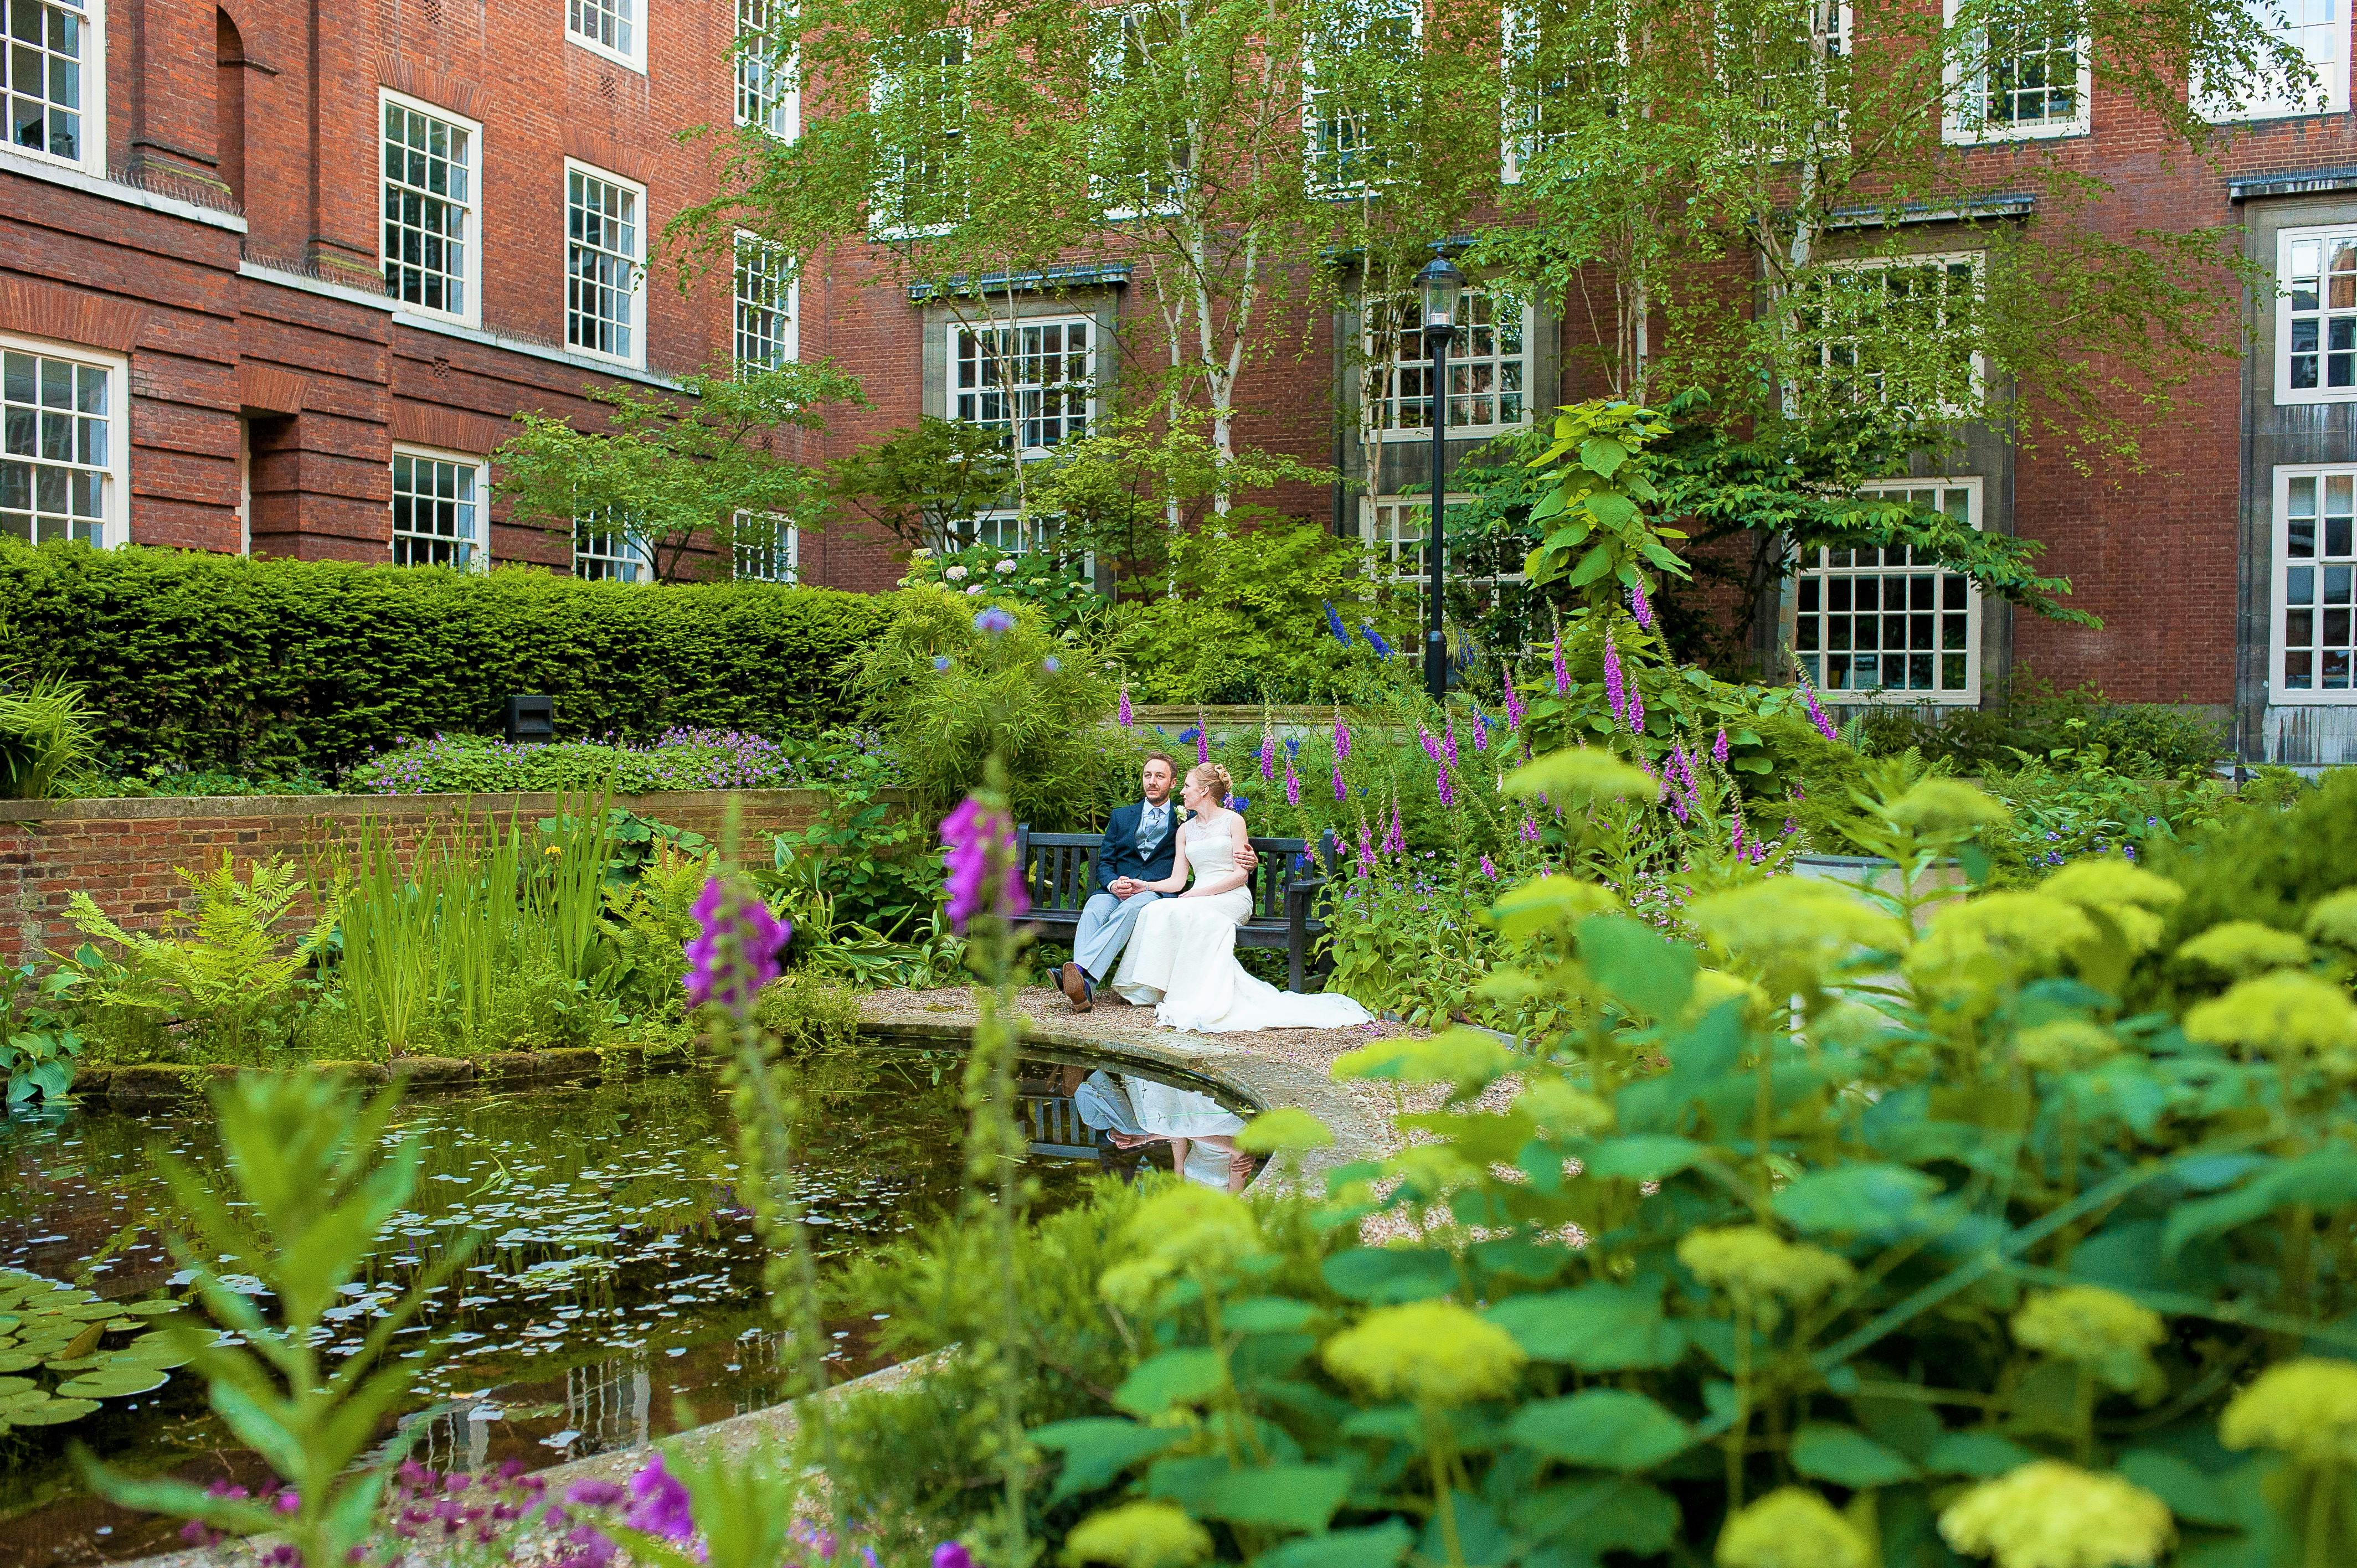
(1075, 987)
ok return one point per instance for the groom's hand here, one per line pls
(1122, 887)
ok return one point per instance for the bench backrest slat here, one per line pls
(1061, 870)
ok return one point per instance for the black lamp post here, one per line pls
(1442, 284)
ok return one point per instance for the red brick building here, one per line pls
(274, 276)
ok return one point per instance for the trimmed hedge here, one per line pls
(201, 661)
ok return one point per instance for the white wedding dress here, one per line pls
(1181, 960)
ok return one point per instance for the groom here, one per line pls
(1138, 842)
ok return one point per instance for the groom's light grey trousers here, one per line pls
(1106, 924)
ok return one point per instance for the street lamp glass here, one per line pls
(1442, 284)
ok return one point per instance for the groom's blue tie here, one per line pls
(1149, 827)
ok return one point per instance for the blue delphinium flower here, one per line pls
(1334, 624)
(1376, 640)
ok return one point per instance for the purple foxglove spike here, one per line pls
(1562, 670)
(1718, 747)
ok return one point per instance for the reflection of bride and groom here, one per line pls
(1173, 883)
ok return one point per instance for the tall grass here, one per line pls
(434, 934)
(47, 738)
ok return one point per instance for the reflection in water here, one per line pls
(1097, 1114)
(614, 1292)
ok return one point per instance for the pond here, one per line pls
(613, 1296)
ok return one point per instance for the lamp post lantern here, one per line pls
(1442, 284)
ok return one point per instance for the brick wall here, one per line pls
(123, 853)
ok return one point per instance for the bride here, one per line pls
(1182, 959)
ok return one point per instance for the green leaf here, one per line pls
(1975, 1454)
(1597, 1327)
(1641, 1156)
(1638, 965)
(1288, 1497)
(1266, 1315)
(1172, 1378)
(1378, 1546)
(49, 1412)
(116, 1380)
(2327, 1178)
(1596, 563)
(1385, 1275)
(1848, 1458)
(1595, 1514)
(2189, 1493)
(1602, 455)
(1611, 510)
(1097, 1449)
(1877, 1201)
(1610, 1429)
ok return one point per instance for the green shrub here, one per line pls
(2130, 737)
(199, 661)
(2264, 862)
(678, 759)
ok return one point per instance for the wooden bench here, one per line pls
(1061, 870)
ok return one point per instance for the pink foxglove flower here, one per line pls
(1613, 689)
(1636, 708)
(1203, 738)
(1292, 784)
(735, 950)
(1424, 738)
(1444, 789)
(1128, 719)
(1341, 791)
(984, 876)
(1342, 737)
(1718, 747)
(1530, 827)
(1641, 606)
(1488, 869)
(1562, 670)
(1448, 740)
(1513, 705)
(1481, 729)
(659, 1504)
(1268, 753)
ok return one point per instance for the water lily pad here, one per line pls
(75, 1363)
(84, 1343)
(15, 1386)
(124, 1325)
(113, 1380)
(9, 1321)
(149, 1308)
(153, 1350)
(18, 1360)
(88, 1309)
(56, 1413)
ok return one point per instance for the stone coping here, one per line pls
(485, 804)
(1229, 1069)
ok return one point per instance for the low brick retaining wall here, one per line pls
(123, 853)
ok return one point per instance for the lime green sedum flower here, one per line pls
(2067, 1045)
(1433, 1353)
(1284, 1127)
(1794, 926)
(2101, 1330)
(1976, 949)
(2243, 948)
(2306, 1410)
(1463, 1058)
(1713, 988)
(2129, 896)
(1581, 773)
(1183, 1228)
(2334, 918)
(1563, 1112)
(1791, 1527)
(1947, 806)
(1754, 1264)
(1138, 1535)
(2046, 1514)
(2287, 1014)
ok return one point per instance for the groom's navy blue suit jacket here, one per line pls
(1119, 855)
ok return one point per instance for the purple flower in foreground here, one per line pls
(1562, 670)
(1613, 689)
(1718, 747)
(994, 620)
(1396, 838)
(1530, 833)
(1268, 753)
(1341, 791)
(1342, 737)
(659, 1503)
(1448, 740)
(1488, 869)
(984, 877)
(1481, 729)
(951, 1555)
(1513, 705)
(1444, 789)
(1292, 784)
(1636, 708)
(1641, 606)
(1129, 720)
(737, 950)
(595, 1493)
(1817, 714)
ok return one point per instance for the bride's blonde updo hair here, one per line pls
(1214, 778)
